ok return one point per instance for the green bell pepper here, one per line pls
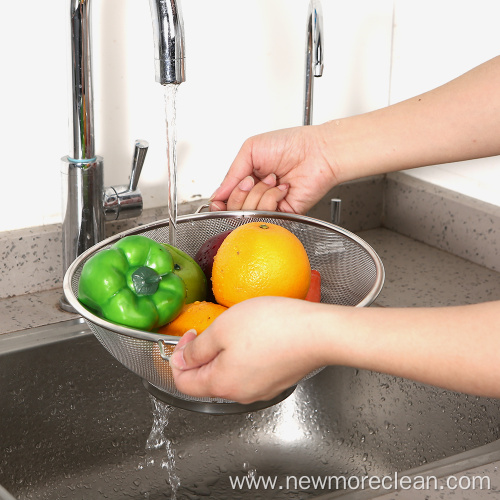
(133, 283)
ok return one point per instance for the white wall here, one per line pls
(434, 42)
(245, 67)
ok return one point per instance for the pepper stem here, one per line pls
(145, 280)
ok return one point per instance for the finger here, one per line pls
(217, 206)
(240, 193)
(194, 352)
(193, 369)
(258, 191)
(240, 168)
(284, 206)
(214, 379)
(271, 198)
(195, 382)
(177, 357)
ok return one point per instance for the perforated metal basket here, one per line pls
(352, 274)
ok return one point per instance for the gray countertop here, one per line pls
(416, 275)
(423, 276)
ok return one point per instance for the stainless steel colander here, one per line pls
(352, 274)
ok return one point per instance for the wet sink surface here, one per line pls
(76, 424)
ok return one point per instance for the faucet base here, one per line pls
(65, 305)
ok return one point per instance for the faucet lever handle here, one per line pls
(140, 150)
(125, 202)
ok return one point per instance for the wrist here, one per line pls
(344, 143)
(333, 148)
(373, 143)
(325, 334)
(343, 336)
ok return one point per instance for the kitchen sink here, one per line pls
(76, 424)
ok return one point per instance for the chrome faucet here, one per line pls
(314, 55)
(87, 205)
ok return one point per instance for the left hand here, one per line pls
(286, 170)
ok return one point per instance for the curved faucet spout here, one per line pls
(168, 31)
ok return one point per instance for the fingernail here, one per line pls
(283, 187)
(247, 183)
(216, 206)
(190, 334)
(177, 359)
(270, 180)
(215, 194)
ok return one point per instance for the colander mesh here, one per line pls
(350, 273)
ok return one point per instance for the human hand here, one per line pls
(284, 170)
(251, 352)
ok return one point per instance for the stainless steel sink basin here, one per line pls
(75, 424)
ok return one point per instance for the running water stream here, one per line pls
(170, 116)
(157, 441)
(161, 412)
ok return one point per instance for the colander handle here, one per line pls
(161, 346)
(202, 207)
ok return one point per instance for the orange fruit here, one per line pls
(197, 315)
(260, 259)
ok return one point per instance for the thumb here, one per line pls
(177, 357)
(192, 351)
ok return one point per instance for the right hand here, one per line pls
(253, 351)
(285, 170)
